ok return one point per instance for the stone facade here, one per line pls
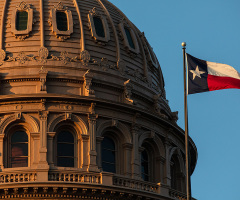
(90, 85)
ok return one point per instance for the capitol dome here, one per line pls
(84, 113)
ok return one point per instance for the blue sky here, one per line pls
(211, 29)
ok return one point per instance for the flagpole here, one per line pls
(188, 182)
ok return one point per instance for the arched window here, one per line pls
(145, 165)
(175, 173)
(108, 155)
(22, 20)
(62, 21)
(19, 149)
(65, 149)
(99, 26)
(129, 37)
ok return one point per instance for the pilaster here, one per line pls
(1, 151)
(92, 119)
(50, 146)
(85, 152)
(43, 139)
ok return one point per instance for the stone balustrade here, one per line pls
(17, 177)
(135, 184)
(178, 195)
(75, 177)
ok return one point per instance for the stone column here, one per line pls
(34, 154)
(85, 152)
(167, 176)
(1, 151)
(127, 149)
(43, 137)
(92, 118)
(50, 146)
(135, 154)
(43, 165)
(99, 151)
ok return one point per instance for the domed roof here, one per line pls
(70, 39)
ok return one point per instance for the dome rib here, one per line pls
(42, 24)
(2, 24)
(82, 41)
(114, 30)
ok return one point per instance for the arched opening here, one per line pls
(21, 20)
(145, 165)
(18, 152)
(129, 37)
(108, 153)
(65, 149)
(175, 171)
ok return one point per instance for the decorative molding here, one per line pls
(21, 35)
(100, 40)
(128, 92)
(62, 35)
(64, 57)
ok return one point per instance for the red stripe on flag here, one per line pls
(220, 82)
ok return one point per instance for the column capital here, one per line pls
(85, 137)
(43, 115)
(51, 134)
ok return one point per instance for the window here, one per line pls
(19, 149)
(22, 20)
(62, 22)
(129, 38)
(175, 173)
(99, 26)
(65, 149)
(108, 155)
(145, 165)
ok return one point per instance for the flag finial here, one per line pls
(184, 44)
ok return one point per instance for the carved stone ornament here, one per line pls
(88, 91)
(2, 55)
(100, 40)
(43, 54)
(43, 79)
(62, 35)
(85, 57)
(128, 92)
(22, 34)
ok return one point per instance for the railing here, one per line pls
(74, 177)
(135, 184)
(17, 177)
(178, 195)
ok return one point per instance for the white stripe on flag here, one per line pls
(218, 69)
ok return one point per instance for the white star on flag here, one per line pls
(196, 72)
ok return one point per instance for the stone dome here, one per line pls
(79, 51)
(76, 76)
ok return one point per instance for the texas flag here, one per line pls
(208, 76)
